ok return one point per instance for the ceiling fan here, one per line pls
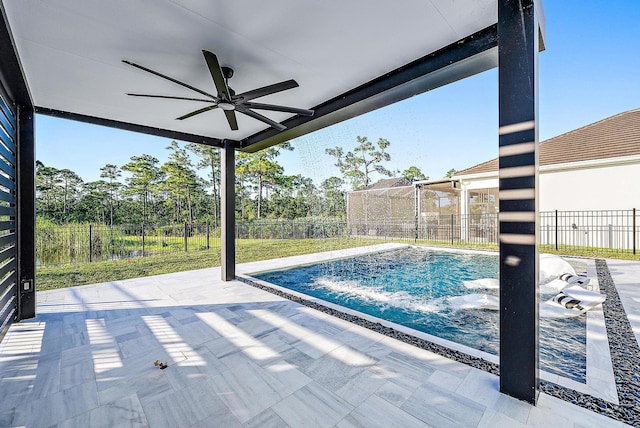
(226, 98)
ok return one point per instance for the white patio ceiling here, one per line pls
(72, 51)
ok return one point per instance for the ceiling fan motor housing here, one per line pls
(227, 72)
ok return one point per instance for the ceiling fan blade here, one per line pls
(231, 118)
(261, 118)
(268, 90)
(216, 74)
(173, 98)
(272, 107)
(171, 79)
(193, 113)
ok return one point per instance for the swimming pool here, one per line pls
(412, 286)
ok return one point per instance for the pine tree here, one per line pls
(358, 165)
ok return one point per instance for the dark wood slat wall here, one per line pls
(8, 272)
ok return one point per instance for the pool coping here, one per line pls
(599, 394)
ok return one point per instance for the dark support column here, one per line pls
(228, 211)
(26, 214)
(518, 172)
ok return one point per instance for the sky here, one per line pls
(590, 70)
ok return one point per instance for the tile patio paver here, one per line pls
(238, 356)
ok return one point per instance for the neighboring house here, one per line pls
(391, 199)
(399, 200)
(401, 208)
(595, 167)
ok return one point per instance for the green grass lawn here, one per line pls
(247, 250)
(591, 252)
(69, 275)
(73, 247)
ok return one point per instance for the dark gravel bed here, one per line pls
(624, 349)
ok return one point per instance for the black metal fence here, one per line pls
(595, 233)
(89, 243)
(600, 232)
(448, 228)
(316, 228)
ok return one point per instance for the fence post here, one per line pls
(556, 230)
(111, 243)
(611, 235)
(142, 239)
(634, 231)
(207, 232)
(451, 229)
(91, 244)
(185, 238)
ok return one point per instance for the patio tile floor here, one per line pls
(237, 356)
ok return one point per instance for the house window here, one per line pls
(483, 201)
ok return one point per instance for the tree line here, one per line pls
(145, 191)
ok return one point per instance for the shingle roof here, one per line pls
(615, 136)
(388, 183)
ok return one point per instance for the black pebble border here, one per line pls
(625, 359)
(624, 349)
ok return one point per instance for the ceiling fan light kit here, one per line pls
(226, 106)
(226, 98)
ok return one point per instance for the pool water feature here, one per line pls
(411, 287)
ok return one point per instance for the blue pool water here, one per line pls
(409, 286)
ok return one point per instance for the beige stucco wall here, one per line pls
(597, 188)
(590, 186)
